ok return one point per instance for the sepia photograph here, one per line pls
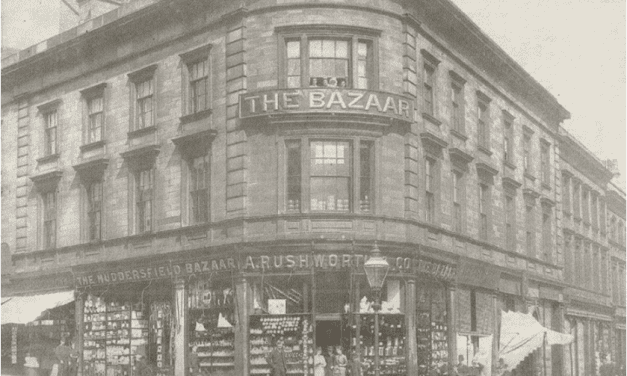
(313, 188)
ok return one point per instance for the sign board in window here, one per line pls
(277, 306)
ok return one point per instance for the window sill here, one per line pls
(485, 150)
(459, 135)
(509, 164)
(48, 158)
(91, 146)
(529, 176)
(431, 119)
(546, 186)
(142, 131)
(195, 116)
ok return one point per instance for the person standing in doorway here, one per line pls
(329, 359)
(276, 359)
(319, 363)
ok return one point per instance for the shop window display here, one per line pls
(211, 309)
(431, 328)
(392, 332)
(282, 313)
(127, 334)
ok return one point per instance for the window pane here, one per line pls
(328, 48)
(341, 68)
(293, 49)
(293, 67)
(341, 49)
(329, 194)
(315, 68)
(315, 48)
(328, 68)
(362, 50)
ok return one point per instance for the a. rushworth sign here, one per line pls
(285, 101)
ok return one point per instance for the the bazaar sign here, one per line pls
(275, 102)
(265, 263)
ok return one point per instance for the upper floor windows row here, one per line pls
(143, 103)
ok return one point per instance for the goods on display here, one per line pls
(297, 333)
(212, 317)
(116, 334)
(391, 343)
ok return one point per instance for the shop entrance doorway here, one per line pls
(328, 333)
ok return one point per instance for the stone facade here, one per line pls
(523, 247)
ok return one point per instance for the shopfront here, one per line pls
(236, 306)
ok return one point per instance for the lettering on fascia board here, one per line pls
(317, 100)
(253, 263)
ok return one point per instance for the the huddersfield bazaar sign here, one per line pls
(260, 263)
(275, 102)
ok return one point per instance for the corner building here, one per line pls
(196, 178)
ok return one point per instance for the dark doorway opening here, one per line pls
(328, 333)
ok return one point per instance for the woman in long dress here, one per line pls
(319, 363)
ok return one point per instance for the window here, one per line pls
(430, 190)
(293, 175)
(328, 63)
(547, 242)
(527, 154)
(621, 232)
(199, 189)
(615, 284)
(545, 161)
(594, 211)
(428, 88)
(510, 222)
(484, 202)
(94, 210)
(49, 200)
(508, 139)
(330, 181)
(457, 106)
(613, 228)
(585, 203)
(576, 199)
(530, 231)
(587, 260)
(198, 86)
(602, 217)
(143, 200)
(578, 262)
(319, 59)
(483, 123)
(458, 193)
(566, 193)
(596, 275)
(95, 118)
(50, 133)
(568, 259)
(339, 177)
(366, 151)
(144, 116)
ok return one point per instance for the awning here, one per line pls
(521, 333)
(24, 309)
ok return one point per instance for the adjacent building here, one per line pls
(188, 181)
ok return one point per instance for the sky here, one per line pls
(574, 48)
